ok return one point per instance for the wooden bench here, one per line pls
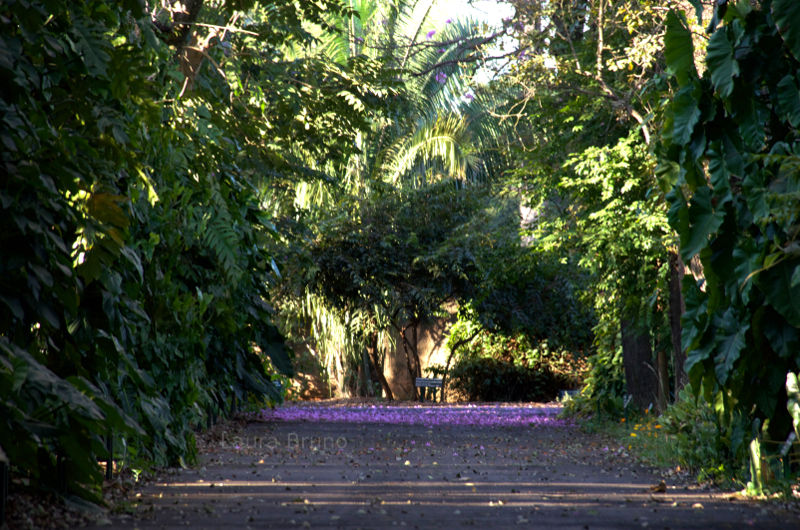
(429, 385)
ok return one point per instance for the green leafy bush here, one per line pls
(489, 379)
(135, 263)
(701, 443)
(495, 367)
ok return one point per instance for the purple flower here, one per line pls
(468, 96)
(431, 33)
(412, 414)
(448, 21)
(441, 50)
(441, 77)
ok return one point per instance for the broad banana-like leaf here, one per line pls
(787, 17)
(721, 62)
(678, 49)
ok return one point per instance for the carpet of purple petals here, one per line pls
(483, 414)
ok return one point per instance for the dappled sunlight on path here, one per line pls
(323, 465)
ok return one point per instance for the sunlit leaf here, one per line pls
(679, 49)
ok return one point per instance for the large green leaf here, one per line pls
(703, 221)
(685, 115)
(722, 65)
(776, 283)
(720, 177)
(749, 115)
(678, 49)
(784, 340)
(788, 98)
(730, 343)
(787, 17)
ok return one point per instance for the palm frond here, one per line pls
(444, 144)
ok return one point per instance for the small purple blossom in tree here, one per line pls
(430, 35)
(441, 50)
(468, 96)
(441, 77)
(448, 21)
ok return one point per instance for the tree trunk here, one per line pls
(409, 361)
(415, 349)
(372, 350)
(663, 380)
(366, 380)
(677, 308)
(640, 376)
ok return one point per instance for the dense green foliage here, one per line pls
(488, 379)
(592, 102)
(384, 250)
(183, 183)
(731, 163)
(492, 366)
(134, 271)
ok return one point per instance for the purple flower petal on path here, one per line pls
(481, 414)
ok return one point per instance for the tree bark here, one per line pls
(677, 308)
(366, 380)
(663, 380)
(409, 361)
(372, 350)
(640, 376)
(415, 349)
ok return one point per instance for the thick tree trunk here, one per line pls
(676, 309)
(372, 350)
(366, 380)
(409, 360)
(640, 376)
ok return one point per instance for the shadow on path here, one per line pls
(287, 472)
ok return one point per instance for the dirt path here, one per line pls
(426, 467)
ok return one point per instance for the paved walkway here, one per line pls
(327, 466)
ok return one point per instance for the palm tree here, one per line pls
(434, 128)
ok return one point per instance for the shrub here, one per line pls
(488, 379)
(703, 444)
